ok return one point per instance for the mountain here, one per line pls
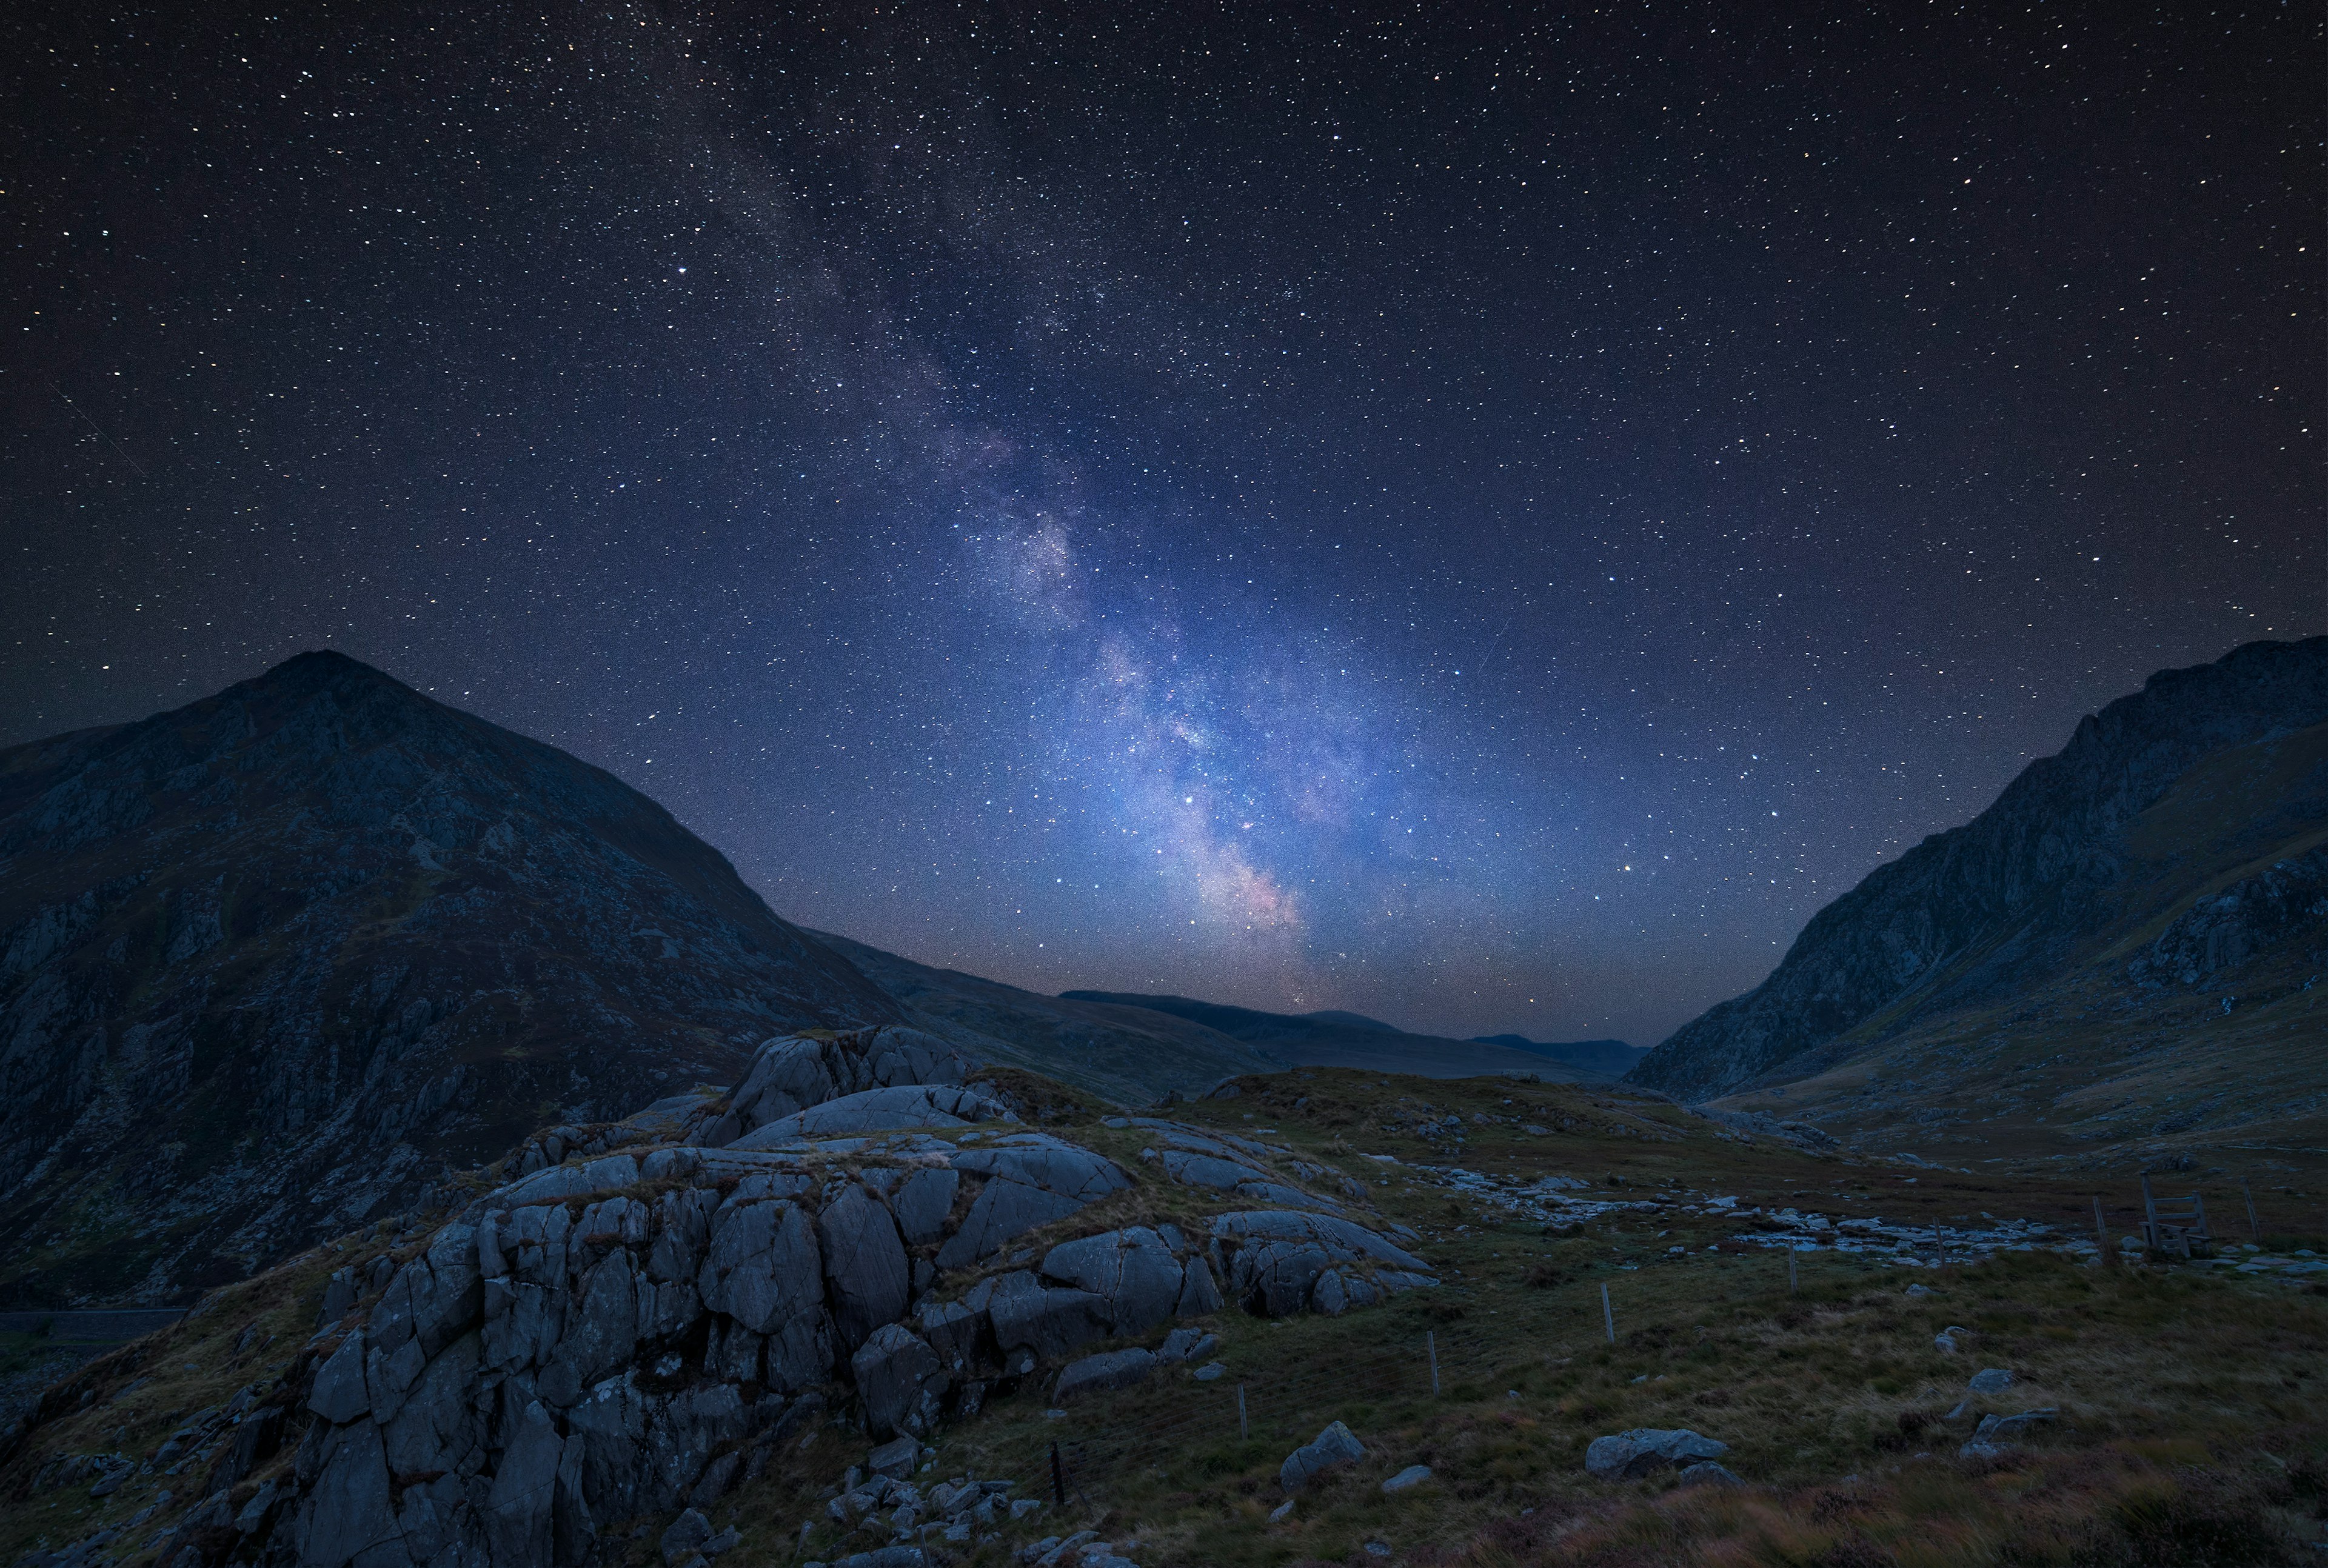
(270, 962)
(1329, 1039)
(2121, 946)
(1354, 1020)
(1132, 1055)
(1614, 1057)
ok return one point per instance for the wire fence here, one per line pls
(1096, 1441)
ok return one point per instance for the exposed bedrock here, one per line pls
(631, 1334)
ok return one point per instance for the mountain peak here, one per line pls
(321, 934)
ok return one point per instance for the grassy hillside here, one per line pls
(2189, 1427)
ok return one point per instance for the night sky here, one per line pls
(1487, 519)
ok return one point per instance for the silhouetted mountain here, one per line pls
(1353, 1020)
(2172, 850)
(1614, 1057)
(269, 962)
(1324, 1039)
(1132, 1055)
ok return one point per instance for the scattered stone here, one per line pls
(1185, 1344)
(686, 1535)
(894, 1459)
(1066, 1548)
(1918, 1290)
(1705, 1473)
(1407, 1479)
(1336, 1445)
(1107, 1371)
(723, 1542)
(1208, 1371)
(1282, 1512)
(1022, 1506)
(1629, 1455)
(887, 1557)
(2000, 1428)
(1377, 1549)
(1991, 1380)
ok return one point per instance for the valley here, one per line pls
(540, 1196)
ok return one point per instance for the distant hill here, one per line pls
(1612, 1057)
(2120, 949)
(1326, 1040)
(1130, 1055)
(270, 962)
(1354, 1020)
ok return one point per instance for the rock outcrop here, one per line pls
(271, 962)
(1628, 1455)
(1980, 911)
(629, 1333)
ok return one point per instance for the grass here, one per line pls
(2189, 1431)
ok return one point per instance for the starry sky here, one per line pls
(1488, 517)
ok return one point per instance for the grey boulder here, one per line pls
(2004, 1428)
(864, 1260)
(1334, 1446)
(685, 1536)
(875, 1111)
(1628, 1455)
(1990, 1380)
(1185, 1345)
(1132, 1271)
(900, 1380)
(895, 1460)
(1276, 1260)
(1022, 1313)
(1104, 1373)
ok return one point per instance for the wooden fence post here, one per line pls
(1058, 1478)
(2101, 1231)
(2248, 1193)
(1430, 1346)
(1607, 1315)
(1790, 1270)
(1243, 1431)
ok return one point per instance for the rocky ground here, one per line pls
(1610, 1366)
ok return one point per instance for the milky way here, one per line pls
(1487, 519)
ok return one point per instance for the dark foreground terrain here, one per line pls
(2155, 1411)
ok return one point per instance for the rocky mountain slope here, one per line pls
(1329, 1039)
(2168, 859)
(2188, 1026)
(271, 962)
(1130, 1055)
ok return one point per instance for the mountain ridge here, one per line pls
(2067, 866)
(1615, 1057)
(1322, 1039)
